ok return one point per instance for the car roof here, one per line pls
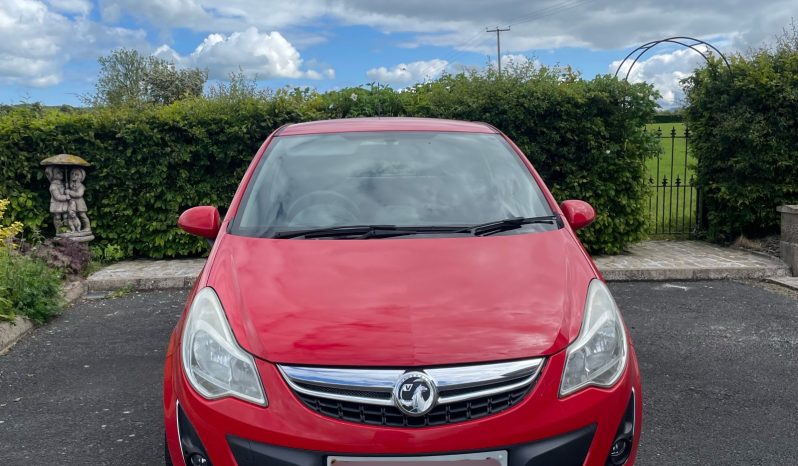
(348, 125)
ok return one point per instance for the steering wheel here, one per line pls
(329, 207)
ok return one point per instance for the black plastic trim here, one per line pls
(626, 432)
(565, 450)
(190, 443)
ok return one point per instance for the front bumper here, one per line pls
(543, 427)
(565, 450)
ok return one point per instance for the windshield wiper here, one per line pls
(389, 231)
(332, 232)
(363, 231)
(513, 223)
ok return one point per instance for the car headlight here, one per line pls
(214, 363)
(598, 355)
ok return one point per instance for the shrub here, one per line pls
(27, 286)
(10, 231)
(151, 163)
(668, 117)
(744, 139)
(584, 137)
(107, 254)
(62, 254)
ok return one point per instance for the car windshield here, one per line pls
(396, 178)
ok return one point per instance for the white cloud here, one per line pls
(551, 24)
(29, 48)
(81, 7)
(407, 73)
(257, 55)
(224, 16)
(38, 37)
(544, 24)
(664, 71)
(167, 13)
(517, 59)
(36, 41)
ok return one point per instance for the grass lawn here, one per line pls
(671, 208)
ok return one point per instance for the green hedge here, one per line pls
(150, 163)
(745, 137)
(662, 118)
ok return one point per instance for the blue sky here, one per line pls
(48, 48)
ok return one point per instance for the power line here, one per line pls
(548, 11)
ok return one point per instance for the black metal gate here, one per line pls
(674, 200)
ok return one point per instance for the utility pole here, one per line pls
(498, 32)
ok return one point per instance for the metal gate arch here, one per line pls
(674, 204)
(684, 41)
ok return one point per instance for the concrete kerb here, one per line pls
(12, 332)
(681, 274)
(145, 275)
(787, 282)
(661, 260)
(140, 284)
(788, 241)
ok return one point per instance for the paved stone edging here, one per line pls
(73, 291)
(146, 275)
(665, 274)
(11, 332)
(788, 282)
(688, 260)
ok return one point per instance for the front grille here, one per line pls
(365, 395)
(392, 417)
(339, 391)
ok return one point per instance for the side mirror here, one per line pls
(579, 214)
(203, 221)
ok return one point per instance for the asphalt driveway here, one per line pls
(719, 361)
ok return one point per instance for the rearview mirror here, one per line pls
(203, 221)
(578, 214)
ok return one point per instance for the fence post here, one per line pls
(788, 242)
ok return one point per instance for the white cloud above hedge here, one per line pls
(407, 73)
(256, 54)
(664, 71)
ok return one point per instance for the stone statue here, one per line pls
(77, 206)
(59, 200)
(66, 174)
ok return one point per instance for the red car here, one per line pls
(398, 292)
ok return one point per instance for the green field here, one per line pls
(671, 208)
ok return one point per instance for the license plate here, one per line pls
(488, 458)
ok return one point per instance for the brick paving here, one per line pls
(649, 260)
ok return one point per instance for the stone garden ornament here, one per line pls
(66, 174)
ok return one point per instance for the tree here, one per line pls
(127, 78)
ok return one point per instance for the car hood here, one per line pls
(402, 302)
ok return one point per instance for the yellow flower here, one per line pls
(12, 230)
